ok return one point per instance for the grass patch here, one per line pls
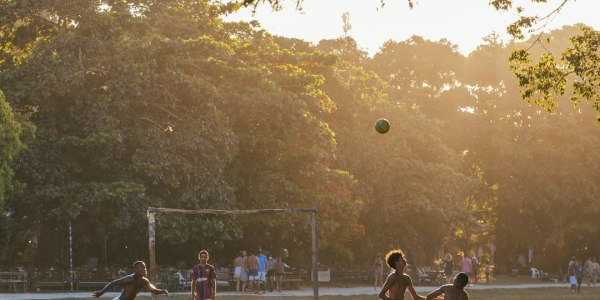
(587, 293)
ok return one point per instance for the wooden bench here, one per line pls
(291, 280)
(93, 285)
(53, 285)
(224, 278)
(14, 281)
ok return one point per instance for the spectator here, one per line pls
(448, 266)
(271, 273)
(578, 275)
(279, 270)
(488, 268)
(244, 273)
(262, 271)
(587, 271)
(572, 277)
(378, 271)
(595, 270)
(465, 265)
(253, 269)
(474, 267)
(237, 270)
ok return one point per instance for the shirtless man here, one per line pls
(453, 291)
(253, 272)
(397, 282)
(237, 267)
(132, 284)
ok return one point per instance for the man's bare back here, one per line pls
(132, 286)
(237, 262)
(451, 292)
(253, 262)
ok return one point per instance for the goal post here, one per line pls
(151, 211)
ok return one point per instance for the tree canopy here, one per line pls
(543, 79)
(162, 103)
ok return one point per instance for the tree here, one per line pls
(533, 158)
(411, 183)
(545, 80)
(154, 103)
(10, 146)
(122, 121)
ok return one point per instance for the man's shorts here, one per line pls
(253, 274)
(262, 275)
(573, 280)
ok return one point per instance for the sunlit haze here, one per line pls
(463, 22)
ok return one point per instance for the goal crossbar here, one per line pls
(151, 211)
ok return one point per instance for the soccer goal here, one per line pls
(152, 211)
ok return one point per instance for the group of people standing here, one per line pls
(253, 271)
(582, 272)
(468, 265)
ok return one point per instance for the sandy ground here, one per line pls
(323, 291)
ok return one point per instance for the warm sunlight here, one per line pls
(463, 22)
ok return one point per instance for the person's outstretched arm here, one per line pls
(152, 289)
(121, 281)
(435, 294)
(411, 290)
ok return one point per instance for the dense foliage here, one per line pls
(161, 103)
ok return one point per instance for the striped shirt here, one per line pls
(204, 276)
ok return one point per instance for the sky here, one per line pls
(463, 22)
